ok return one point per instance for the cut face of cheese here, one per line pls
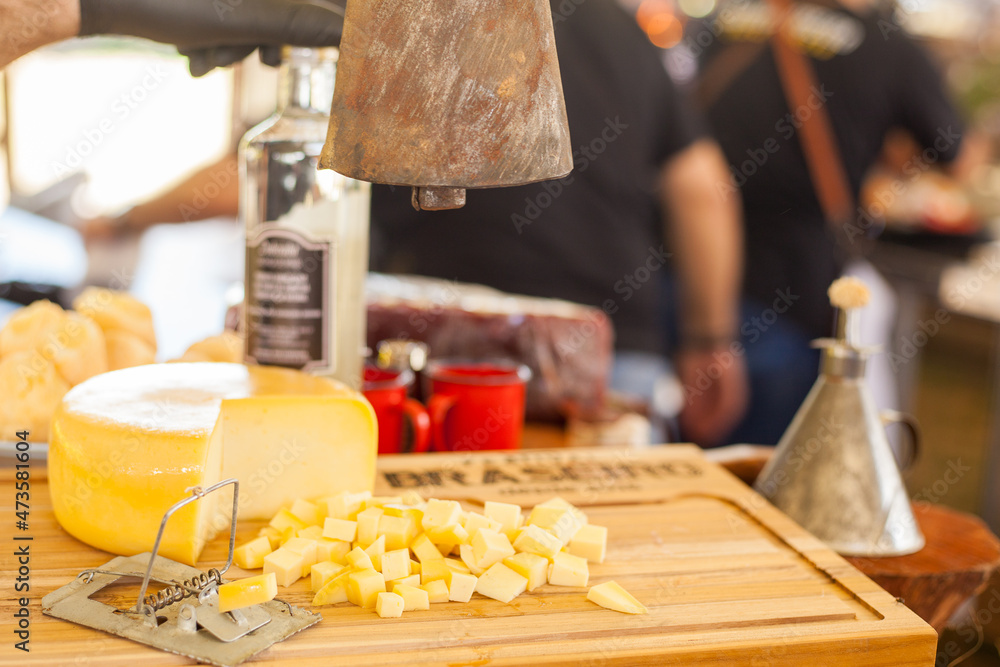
(126, 445)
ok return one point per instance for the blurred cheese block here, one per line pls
(227, 347)
(127, 324)
(126, 350)
(73, 343)
(28, 325)
(125, 445)
(31, 389)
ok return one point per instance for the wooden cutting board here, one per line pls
(728, 579)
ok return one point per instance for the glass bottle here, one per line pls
(307, 232)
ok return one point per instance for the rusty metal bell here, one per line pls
(444, 95)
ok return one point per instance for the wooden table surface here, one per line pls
(727, 578)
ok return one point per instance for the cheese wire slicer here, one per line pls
(167, 619)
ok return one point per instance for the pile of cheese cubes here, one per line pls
(396, 554)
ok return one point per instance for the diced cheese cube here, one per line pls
(302, 545)
(335, 590)
(415, 566)
(489, 547)
(285, 519)
(456, 565)
(364, 586)
(507, 515)
(389, 605)
(340, 529)
(368, 521)
(412, 580)
(375, 551)
(414, 597)
(468, 557)
(610, 595)
(379, 501)
(321, 573)
(424, 549)
(437, 590)
(413, 499)
(335, 550)
(287, 533)
(441, 513)
(461, 586)
(568, 570)
(307, 548)
(501, 583)
(401, 510)
(311, 532)
(561, 522)
(475, 521)
(433, 570)
(448, 536)
(246, 592)
(344, 505)
(272, 534)
(531, 566)
(359, 558)
(398, 531)
(536, 540)
(250, 556)
(555, 501)
(590, 542)
(396, 564)
(306, 511)
(287, 566)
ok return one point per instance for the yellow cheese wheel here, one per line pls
(128, 444)
(227, 346)
(117, 310)
(126, 350)
(30, 388)
(74, 343)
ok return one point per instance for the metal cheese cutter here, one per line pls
(184, 617)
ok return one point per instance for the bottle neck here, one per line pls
(306, 81)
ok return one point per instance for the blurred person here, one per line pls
(870, 77)
(185, 201)
(640, 199)
(210, 33)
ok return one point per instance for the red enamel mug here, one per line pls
(476, 405)
(386, 391)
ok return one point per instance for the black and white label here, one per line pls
(288, 314)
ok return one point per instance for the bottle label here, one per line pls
(288, 322)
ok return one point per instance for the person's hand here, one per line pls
(716, 393)
(217, 33)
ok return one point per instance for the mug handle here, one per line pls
(421, 422)
(438, 407)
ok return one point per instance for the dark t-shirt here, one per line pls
(591, 237)
(872, 78)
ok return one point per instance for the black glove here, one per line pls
(216, 33)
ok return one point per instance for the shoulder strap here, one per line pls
(823, 158)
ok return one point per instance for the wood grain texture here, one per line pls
(728, 581)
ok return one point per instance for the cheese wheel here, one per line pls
(227, 346)
(117, 310)
(30, 388)
(126, 445)
(74, 343)
(29, 325)
(126, 350)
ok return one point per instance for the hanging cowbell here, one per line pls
(444, 95)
